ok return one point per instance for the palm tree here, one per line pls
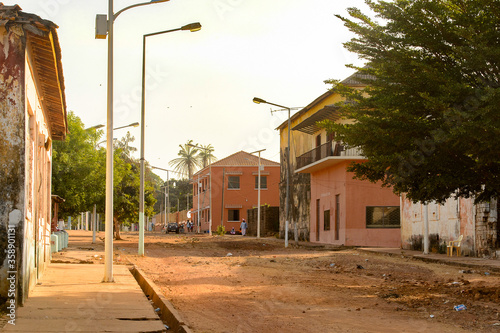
(187, 161)
(205, 155)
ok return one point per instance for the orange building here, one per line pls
(234, 185)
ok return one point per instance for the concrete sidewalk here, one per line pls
(72, 298)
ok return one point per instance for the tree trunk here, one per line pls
(117, 228)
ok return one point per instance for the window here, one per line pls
(383, 217)
(233, 215)
(263, 182)
(233, 182)
(326, 220)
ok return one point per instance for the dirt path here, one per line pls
(236, 284)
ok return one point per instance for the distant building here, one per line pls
(234, 190)
(33, 114)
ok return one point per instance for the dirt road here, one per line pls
(236, 284)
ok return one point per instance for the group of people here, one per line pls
(243, 228)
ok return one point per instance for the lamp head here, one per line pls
(95, 127)
(258, 100)
(134, 124)
(192, 27)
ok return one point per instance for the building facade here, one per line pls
(33, 114)
(328, 205)
(477, 223)
(233, 190)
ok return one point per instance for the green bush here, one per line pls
(221, 230)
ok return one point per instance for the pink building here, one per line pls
(341, 210)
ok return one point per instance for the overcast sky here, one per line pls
(200, 85)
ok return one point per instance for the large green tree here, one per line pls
(77, 169)
(79, 173)
(429, 121)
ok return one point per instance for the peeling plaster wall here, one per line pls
(487, 229)
(446, 222)
(12, 153)
(25, 168)
(38, 185)
(300, 201)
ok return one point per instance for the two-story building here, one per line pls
(33, 114)
(232, 189)
(328, 205)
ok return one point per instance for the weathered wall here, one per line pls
(12, 155)
(269, 221)
(38, 183)
(300, 200)
(486, 229)
(446, 222)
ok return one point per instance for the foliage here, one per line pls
(221, 230)
(79, 174)
(206, 156)
(428, 122)
(179, 191)
(187, 161)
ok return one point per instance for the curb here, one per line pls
(437, 261)
(168, 313)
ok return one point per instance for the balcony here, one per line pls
(325, 155)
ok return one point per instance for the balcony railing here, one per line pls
(331, 148)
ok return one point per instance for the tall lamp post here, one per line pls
(104, 25)
(258, 194)
(189, 27)
(94, 224)
(210, 180)
(287, 204)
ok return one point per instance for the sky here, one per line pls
(200, 85)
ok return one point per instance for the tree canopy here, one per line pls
(428, 122)
(79, 173)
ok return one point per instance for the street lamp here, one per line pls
(258, 101)
(95, 127)
(210, 193)
(258, 195)
(101, 25)
(136, 124)
(189, 27)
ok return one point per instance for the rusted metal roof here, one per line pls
(352, 81)
(43, 44)
(310, 126)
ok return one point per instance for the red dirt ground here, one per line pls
(236, 284)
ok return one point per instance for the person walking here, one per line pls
(243, 227)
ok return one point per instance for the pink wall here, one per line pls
(354, 196)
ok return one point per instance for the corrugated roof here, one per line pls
(42, 38)
(242, 159)
(310, 126)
